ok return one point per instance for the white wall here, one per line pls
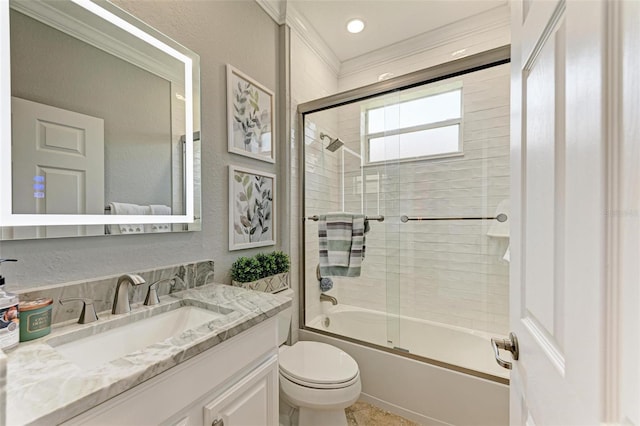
(311, 78)
(220, 32)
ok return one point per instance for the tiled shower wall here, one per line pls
(311, 78)
(323, 191)
(451, 272)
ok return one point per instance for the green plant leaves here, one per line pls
(247, 269)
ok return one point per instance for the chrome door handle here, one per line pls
(510, 344)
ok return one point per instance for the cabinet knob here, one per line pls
(217, 422)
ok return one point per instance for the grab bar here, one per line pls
(500, 218)
(380, 218)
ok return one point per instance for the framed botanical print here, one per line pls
(252, 208)
(250, 117)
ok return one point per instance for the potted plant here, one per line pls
(267, 272)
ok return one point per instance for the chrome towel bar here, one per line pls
(500, 218)
(379, 218)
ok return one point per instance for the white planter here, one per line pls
(269, 284)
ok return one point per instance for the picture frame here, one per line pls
(252, 208)
(250, 117)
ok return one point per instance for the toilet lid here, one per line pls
(315, 363)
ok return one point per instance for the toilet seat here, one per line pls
(318, 365)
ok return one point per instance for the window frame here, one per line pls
(405, 130)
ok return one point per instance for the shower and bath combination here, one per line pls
(434, 288)
(334, 144)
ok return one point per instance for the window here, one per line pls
(424, 127)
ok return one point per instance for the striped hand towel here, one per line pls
(341, 241)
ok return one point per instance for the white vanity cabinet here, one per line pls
(232, 384)
(248, 402)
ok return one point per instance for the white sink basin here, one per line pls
(95, 350)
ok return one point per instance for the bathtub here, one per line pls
(461, 347)
(428, 372)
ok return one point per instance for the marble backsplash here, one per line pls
(102, 290)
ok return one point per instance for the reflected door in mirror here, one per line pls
(58, 166)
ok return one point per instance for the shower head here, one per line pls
(334, 144)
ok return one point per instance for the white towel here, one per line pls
(507, 254)
(159, 209)
(130, 209)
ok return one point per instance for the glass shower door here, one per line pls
(344, 180)
(453, 251)
(433, 160)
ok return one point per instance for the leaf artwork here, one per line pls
(249, 118)
(253, 202)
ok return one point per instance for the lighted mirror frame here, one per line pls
(125, 22)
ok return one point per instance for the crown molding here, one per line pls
(496, 18)
(276, 9)
(311, 37)
(282, 11)
(285, 12)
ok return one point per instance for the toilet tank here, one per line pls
(284, 318)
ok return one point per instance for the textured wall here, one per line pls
(220, 32)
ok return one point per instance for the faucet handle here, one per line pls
(88, 314)
(152, 294)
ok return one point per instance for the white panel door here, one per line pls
(58, 166)
(558, 239)
(627, 214)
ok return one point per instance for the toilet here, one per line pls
(316, 379)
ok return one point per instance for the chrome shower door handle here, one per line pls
(510, 344)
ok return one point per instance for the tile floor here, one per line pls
(363, 414)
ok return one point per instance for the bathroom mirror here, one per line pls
(99, 122)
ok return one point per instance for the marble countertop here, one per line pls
(43, 387)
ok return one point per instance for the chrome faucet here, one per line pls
(121, 304)
(327, 298)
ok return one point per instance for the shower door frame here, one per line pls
(480, 61)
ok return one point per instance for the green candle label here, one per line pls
(36, 322)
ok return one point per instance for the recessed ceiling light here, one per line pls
(354, 26)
